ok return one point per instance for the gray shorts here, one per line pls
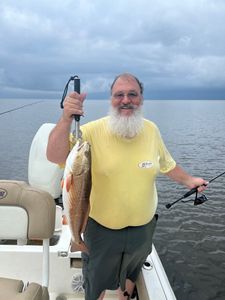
(114, 256)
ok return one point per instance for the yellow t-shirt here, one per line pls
(123, 174)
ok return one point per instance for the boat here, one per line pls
(24, 260)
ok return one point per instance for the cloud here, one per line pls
(168, 44)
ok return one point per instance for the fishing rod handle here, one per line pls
(192, 191)
(189, 193)
(168, 205)
(77, 89)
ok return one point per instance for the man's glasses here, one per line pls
(130, 95)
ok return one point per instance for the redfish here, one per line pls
(76, 192)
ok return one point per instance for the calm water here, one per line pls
(189, 239)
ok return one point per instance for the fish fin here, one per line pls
(69, 180)
(62, 183)
(65, 222)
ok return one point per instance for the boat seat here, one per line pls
(26, 213)
(14, 290)
(42, 173)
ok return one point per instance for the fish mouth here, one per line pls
(85, 149)
(83, 145)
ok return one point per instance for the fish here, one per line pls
(76, 188)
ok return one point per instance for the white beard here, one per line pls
(126, 126)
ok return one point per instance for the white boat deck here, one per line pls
(25, 262)
(109, 296)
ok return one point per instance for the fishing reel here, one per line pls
(198, 200)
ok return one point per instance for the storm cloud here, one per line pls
(176, 48)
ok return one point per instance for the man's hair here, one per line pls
(128, 75)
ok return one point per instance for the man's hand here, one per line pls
(73, 105)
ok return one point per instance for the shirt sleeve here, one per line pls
(166, 161)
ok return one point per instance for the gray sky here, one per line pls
(176, 48)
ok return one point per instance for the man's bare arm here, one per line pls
(58, 143)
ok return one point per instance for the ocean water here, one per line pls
(190, 240)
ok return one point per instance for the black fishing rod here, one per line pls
(77, 117)
(199, 200)
(76, 81)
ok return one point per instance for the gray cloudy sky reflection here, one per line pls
(176, 48)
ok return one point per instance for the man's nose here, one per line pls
(126, 99)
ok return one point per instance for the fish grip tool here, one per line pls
(76, 82)
(198, 200)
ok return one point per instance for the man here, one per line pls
(127, 154)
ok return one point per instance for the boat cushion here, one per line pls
(10, 286)
(12, 289)
(40, 206)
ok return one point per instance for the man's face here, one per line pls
(126, 96)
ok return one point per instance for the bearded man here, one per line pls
(127, 154)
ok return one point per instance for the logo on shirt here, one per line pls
(147, 164)
(3, 193)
